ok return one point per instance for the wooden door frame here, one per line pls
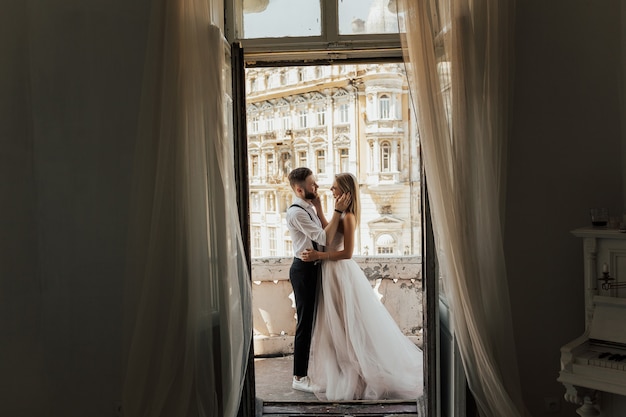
(248, 404)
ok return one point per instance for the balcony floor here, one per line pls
(276, 398)
(273, 380)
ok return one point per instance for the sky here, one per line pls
(300, 18)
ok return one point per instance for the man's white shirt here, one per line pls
(304, 229)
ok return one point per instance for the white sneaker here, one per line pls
(303, 384)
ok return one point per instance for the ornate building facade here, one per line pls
(332, 119)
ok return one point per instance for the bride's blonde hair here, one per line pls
(347, 183)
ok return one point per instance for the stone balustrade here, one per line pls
(396, 279)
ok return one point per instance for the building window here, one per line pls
(256, 242)
(286, 121)
(384, 104)
(302, 159)
(255, 124)
(269, 164)
(271, 235)
(385, 245)
(343, 113)
(385, 157)
(254, 197)
(271, 202)
(321, 117)
(324, 200)
(302, 119)
(288, 247)
(269, 124)
(320, 156)
(399, 158)
(384, 250)
(254, 165)
(344, 160)
(285, 163)
(253, 85)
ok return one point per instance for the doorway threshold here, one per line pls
(276, 398)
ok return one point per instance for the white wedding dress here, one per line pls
(357, 350)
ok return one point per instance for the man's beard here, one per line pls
(309, 195)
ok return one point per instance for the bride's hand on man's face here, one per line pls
(343, 201)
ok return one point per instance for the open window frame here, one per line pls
(329, 47)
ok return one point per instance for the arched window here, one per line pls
(384, 105)
(385, 245)
(385, 157)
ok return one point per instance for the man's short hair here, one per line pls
(299, 176)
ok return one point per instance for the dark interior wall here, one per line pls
(565, 156)
(69, 100)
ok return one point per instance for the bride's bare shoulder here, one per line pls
(349, 218)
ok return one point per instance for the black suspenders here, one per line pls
(311, 217)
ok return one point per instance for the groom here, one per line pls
(307, 226)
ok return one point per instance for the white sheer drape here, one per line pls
(459, 53)
(188, 319)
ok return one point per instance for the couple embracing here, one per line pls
(347, 345)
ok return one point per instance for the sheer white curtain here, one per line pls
(459, 60)
(187, 305)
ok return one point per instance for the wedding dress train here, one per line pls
(358, 350)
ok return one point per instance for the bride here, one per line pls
(357, 350)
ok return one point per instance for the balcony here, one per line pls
(396, 279)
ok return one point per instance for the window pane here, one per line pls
(302, 159)
(302, 119)
(344, 160)
(383, 107)
(343, 113)
(271, 231)
(255, 165)
(358, 17)
(269, 165)
(256, 241)
(385, 153)
(321, 161)
(281, 18)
